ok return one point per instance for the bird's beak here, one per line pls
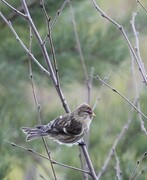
(93, 114)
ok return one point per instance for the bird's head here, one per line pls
(85, 111)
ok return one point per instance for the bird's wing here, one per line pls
(64, 124)
(74, 127)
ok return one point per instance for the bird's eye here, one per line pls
(88, 112)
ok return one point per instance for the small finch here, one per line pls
(67, 129)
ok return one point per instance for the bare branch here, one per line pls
(140, 173)
(38, 106)
(111, 152)
(137, 47)
(78, 42)
(56, 17)
(117, 167)
(49, 35)
(86, 76)
(125, 127)
(82, 162)
(89, 163)
(90, 83)
(144, 76)
(32, 81)
(121, 95)
(58, 14)
(47, 158)
(23, 45)
(46, 57)
(137, 166)
(138, 99)
(142, 5)
(100, 90)
(14, 9)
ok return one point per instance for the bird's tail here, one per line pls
(34, 133)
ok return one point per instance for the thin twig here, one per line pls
(46, 18)
(17, 11)
(38, 106)
(140, 173)
(137, 47)
(42, 177)
(120, 27)
(89, 90)
(111, 152)
(14, 9)
(137, 166)
(117, 167)
(23, 45)
(49, 35)
(86, 76)
(47, 158)
(134, 77)
(142, 5)
(121, 95)
(90, 84)
(78, 42)
(58, 14)
(100, 90)
(32, 81)
(46, 57)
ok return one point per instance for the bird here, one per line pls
(67, 129)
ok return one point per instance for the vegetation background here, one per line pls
(105, 50)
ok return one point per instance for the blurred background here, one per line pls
(105, 50)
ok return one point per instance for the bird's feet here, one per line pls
(81, 143)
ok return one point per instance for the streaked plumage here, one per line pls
(67, 129)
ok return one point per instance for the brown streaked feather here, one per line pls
(67, 125)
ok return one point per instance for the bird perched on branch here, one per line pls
(67, 129)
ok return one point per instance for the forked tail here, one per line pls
(33, 133)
